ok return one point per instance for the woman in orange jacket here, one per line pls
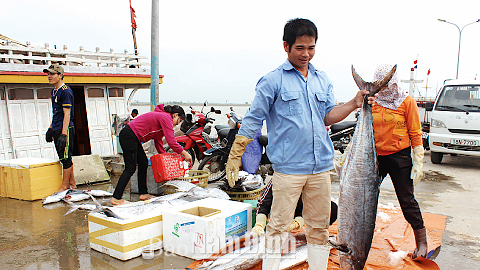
(396, 121)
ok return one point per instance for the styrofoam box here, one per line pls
(29, 178)
(198, 229)
(127, 238)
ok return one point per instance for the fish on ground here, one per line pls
(249, 258)
(294, 257)
(75, 195)
(359, 185)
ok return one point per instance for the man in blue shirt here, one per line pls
(61, 130)
(297, 102)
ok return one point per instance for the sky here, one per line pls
(218, 50)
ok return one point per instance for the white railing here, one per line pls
(17, 54)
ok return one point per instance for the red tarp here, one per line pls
(392, 233)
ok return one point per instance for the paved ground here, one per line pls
(35, 237)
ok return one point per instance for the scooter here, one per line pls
(342, 133)
(195, 141)
(216, 158)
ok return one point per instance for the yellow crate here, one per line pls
(248, 195)
(197, 177)
(29, 178)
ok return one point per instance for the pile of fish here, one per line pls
(359, 186)
(246, 182)
(136, 209)
(75, 195)
(251, 255)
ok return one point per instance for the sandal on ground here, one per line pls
(118, 202)
(145, 197)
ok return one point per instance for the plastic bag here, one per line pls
(252, 155)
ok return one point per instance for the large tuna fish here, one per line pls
(359, 185)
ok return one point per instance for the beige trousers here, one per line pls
(316, 190)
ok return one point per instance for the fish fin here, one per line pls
(342, 248)
(358, 80)
(73, 207)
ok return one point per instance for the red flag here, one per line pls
(133, 16)
(428, 72)
(415, 62)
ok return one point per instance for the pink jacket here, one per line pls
(155, 125)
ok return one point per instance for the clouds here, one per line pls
(217, 50)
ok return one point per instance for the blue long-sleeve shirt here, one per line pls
(294, 110)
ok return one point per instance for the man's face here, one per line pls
(302, 51)
(53, 78)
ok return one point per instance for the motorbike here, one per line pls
(216, 158)
(342, 133)
(195, 140)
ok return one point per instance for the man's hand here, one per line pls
(49, 135)
(260, 223)
(235, 158)
(417, 168)
(360, 95)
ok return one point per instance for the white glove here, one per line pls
(417, 160)
(297, 223)
(260, 223)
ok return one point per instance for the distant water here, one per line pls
(220, 119)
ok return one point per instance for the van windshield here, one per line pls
(459, 98)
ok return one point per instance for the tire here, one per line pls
(190, 151)
(213, 164)
(436, 157)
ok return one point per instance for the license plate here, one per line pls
(464, 142)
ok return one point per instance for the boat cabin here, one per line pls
(99, 80)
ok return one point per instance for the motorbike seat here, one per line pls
(220, 127)
(223, 133)
(263, 140)
(342, 125)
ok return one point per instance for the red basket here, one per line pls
(167, 166)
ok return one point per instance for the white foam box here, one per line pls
(198, 229)
(127, 238)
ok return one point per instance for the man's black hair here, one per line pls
(135, 111)
(296, 28)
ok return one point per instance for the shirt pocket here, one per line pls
(321, 99)
(292, 103)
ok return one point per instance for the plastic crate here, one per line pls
(197, 177)
(248, 195)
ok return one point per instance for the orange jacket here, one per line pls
(397, 129)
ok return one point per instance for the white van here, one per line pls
(455, 120)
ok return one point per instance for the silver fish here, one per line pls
(359, 185)
(56, 197)
(248, 259)
(98, 193)
(196, 191)
(76, 195)
(294, 257)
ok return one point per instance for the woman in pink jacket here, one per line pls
(152, 125)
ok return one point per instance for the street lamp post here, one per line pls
(459, 38)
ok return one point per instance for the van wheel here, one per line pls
(436, 157)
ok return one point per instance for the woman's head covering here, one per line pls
(392, 96)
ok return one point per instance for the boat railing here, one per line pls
(26, 54)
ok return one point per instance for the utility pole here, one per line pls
(154, 80)
(459, 38)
